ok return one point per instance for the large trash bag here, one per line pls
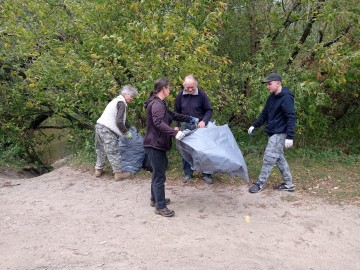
(213, 149)
(132, 152)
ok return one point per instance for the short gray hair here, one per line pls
(129, 90)
(190, 78)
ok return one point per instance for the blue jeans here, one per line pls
(158, 160)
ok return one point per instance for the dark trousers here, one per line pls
(187, 168)
(188, 171)
(158, 160)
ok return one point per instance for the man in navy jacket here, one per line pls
(193, 101)
(279, 115)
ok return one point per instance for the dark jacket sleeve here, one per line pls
(179, 117)
(208, 109)
(120, 117)
(289, 111)
(158, 111)
(262, 118)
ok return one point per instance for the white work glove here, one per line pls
(288, 143)
(180, 135)
(250, 130)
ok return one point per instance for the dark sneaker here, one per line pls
(208, 179)
(165, 212)
(186, 178)
(167, 201)
(283, 186)
(256, 187)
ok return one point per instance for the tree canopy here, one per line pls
(62, 61)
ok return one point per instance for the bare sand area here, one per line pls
(68, 219)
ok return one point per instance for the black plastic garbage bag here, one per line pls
(132, 152)
(213, 149)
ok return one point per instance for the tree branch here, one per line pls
(343, 33)
(38, 120)
(53, 127)
(306, 32)
(288, 20)
(327, 44)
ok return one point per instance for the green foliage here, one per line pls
(71, 69)
(314, 47)
(65, 60)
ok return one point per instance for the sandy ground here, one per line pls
(68, 219)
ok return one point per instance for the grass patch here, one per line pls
(324, 173)
(327, 174)
(338, 182)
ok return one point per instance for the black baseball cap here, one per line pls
(272, 77)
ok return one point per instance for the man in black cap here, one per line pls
(279, 115)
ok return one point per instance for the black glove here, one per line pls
(194, 120)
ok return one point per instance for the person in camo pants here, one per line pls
(109, 127)
(279, 115)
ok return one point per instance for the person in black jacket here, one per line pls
(195, 102)
(157, 141)
(279, 115)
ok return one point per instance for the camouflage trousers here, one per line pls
(106, 145)
(274, 155)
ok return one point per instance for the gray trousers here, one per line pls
(274, 155)
(106, 145)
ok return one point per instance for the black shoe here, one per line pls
(167, 201)
(208, 179)
(165, 212)
(186, 178)
(256, 187)
(285, 187)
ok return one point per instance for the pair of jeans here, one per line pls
(158, 161)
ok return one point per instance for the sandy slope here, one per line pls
(67, 219)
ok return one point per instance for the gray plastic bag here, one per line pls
(132, 152)
(213, 149)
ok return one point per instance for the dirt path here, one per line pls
(67, 219)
